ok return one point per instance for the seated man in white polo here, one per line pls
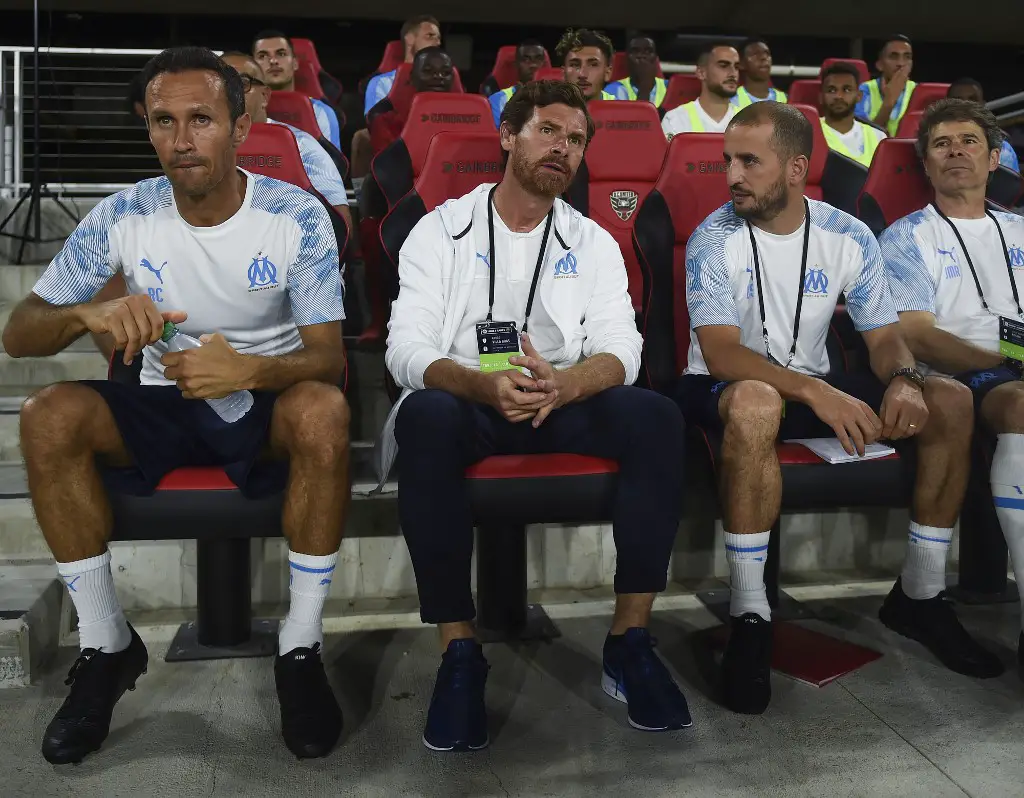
(955, 269)
(476, 275)
(764, 273)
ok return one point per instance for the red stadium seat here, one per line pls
(620, 66)
(896, 185)
(550, 73)
(925, 94)
(505, 73)
(307, 81)
(909, 124)
(621, 166)
(394, 54)
(862, 68)
(305, 50)
(805, 92)
(819, 154)
(681, 89)
(295, 109)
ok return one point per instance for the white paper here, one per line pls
(831, 450)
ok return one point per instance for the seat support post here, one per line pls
(503, 613)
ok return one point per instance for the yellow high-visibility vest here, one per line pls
(744, 98)
(660, 90)
(875, 103)
(871, 138)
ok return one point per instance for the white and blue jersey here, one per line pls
(378, 88)
(721, 289)
(255, 278)
(319, 167)
(928, 271)
(328, 121)
(1008, 157)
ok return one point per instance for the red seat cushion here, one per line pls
(862, 68)
(550, 73)
(197, 478)
(271, 150)
(517, 466)
(805, 92)
(925, 94)
(895, 186)
(681, 89)
(505, 71)
(295, 109)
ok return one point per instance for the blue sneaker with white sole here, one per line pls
(635, 675)
(457, 718)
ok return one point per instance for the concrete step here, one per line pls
(30, 373)
(30, 622)
(16, 281)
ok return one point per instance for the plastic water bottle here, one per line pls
(230, 408)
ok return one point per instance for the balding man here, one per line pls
(763, 275)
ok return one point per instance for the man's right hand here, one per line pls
(501, 391)
(134, 322)
(854, 423)
(894, 87)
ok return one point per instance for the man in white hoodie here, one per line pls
(512, 266)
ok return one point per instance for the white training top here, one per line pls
(721, 288)
(255, 278)
(679, 120)
(927, 271)
(319, 167)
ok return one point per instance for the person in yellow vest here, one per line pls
(587, 61)
(718, 69)
(529, 58)
(756, 68)
(884, 99)
(845, 134)
(643, 81)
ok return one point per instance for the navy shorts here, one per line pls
(163, 431)
(983, 381)
(698, 396)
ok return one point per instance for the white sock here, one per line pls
(101, 622)
(924, 569)
(1008, 494)
(747, 555)
(309, 583)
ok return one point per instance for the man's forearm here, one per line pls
(884, 112)
(38, 329)
(948, 353)
(593, 375)
(736, 362)
(279, 372)
(888, 352)
(445, 374)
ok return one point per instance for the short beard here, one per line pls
(768, 205)
(722, 92)
(535, 179)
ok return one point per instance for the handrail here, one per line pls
(791, 71)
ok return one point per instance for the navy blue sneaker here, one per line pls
(635, 675)
(457, 718)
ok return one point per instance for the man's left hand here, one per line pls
(549, 379)
(903, 412)
(212, 371)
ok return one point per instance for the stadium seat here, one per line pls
(295, 109)
(621, 166)
(394, 54)
(202, 503)
(505, 73)
(395, 169)
(332, 88)
(271, 150)
(925, 94)
(819, 152)
(1005, 187)
(550, 73)
(620, 66)
(805, 92)
(862, 68)
(681, 89)
(896, 185)
(907, 128)
(307, 82)
(842, 181)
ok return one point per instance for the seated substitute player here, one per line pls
(955, 270)
(251, 264)
(764, 273)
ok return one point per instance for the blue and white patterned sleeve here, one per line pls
(328, 122)
(497, 106)
(867, 296)
(376, 90)
(912, 285)
(315, 286)
(708, 287)
(1008, 157)
(320, 169)
(864, 103)
(87, 260)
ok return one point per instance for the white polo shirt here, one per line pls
(927, 271)
(721, 288)
(692, 118)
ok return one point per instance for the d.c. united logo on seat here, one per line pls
(262, 273)
(623, 202)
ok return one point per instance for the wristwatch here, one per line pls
(910, 374)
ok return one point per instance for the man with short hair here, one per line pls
(417, 33)
(273, 52)
(756, 69)
(764, 274)
(884, 100)
(955, 269)
(843, 133)
(643, 81)
(207, 248)
(587, 61)
(970, 89)
(530, 56)
(432, 71)
(476, 384)
(718, 71)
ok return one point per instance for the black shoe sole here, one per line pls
(912, 633)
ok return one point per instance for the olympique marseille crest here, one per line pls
(623, 203)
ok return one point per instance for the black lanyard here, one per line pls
(970, 263)
(799, 288)
(493, 263)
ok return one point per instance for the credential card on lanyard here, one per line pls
(496, 342)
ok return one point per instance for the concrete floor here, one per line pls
(902, 726)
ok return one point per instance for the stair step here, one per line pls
(16, 282)
(32, 373)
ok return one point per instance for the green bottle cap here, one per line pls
(170, 330)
